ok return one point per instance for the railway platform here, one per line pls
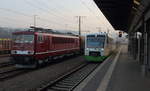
(118, 73)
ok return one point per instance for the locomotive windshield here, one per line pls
(23, 38)
(96, 41)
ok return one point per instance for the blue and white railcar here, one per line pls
(97, 46)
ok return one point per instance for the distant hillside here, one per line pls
(7, 32)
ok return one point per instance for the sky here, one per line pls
(54, 14)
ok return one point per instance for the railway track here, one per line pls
(10, 72)
(70, 80)
(4, 55)
(5, 64)
(7, 71)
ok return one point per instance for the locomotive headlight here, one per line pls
(13, 52)
(87, 48)
(30, 52)
(102, 49)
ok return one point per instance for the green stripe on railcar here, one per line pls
(95, 58)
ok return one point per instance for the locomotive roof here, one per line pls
(43, 33)
(97, 34)
(58, 35)
(33, 29)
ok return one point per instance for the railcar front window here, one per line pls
(23, 38)
(96, 41)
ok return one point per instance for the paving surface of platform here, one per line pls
(126, 76)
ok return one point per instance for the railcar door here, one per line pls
(50, 45)
(46, 42)
(40, 45)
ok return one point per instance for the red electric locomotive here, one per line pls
(31, 48)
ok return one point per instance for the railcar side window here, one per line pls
(59, 40)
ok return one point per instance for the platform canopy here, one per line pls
(118, 12)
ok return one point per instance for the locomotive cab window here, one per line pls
(96, 41)
(20, 38)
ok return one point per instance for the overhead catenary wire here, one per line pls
(15, 20)
(29, 16)
(54, 9)
(84, 4)
(45, 9)
(92, 12)
(9, 21)
(15, 12)
(42, 9)
(59, 4)
(12, 19)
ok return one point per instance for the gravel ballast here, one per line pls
(5, 59)
(41, 76)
